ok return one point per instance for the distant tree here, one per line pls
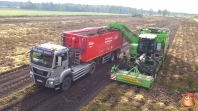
(165, 12)
(120, 9)
(110, 9)
(141, 11)
(8, 5)
(150, 11)
(129, 10)
(134, 11)
(159, 12)
(168, 13)
(87, 8)
(97, 9)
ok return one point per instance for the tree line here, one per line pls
(84, 8)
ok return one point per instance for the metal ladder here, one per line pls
(77, 56)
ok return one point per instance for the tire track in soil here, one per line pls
(42, 93)
(48, 95)
(14, 80)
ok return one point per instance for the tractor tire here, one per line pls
(65, 84)
(155, 76)
(112, 58)
(122, 63)
(92, 68)
(155, 73)
(118, 54)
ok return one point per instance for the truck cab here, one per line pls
(50, 66)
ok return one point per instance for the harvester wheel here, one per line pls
(122, 63)
(155, 76)
(118, 53)
(112, 57)
(65, 84)
(155, 71)
(92, 68)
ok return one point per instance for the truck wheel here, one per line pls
(117, 54)
(65, 84)
(92, 68)
(112, 58)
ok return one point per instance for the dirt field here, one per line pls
(18, 35)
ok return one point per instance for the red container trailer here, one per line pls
(94, 41)
(56, 66)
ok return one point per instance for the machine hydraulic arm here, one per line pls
(125, 30)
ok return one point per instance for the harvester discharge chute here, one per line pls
(147, 53)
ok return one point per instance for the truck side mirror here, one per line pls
(59, 61)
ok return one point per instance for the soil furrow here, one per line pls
(15, 73)
(46, 94)
(14, 81)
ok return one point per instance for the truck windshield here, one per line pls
(146, 45)
(42, 59)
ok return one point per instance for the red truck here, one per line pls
(56, 66)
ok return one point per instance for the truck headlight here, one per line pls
(51, 82)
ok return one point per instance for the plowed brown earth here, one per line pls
(45, 31)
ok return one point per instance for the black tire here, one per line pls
(155, 73)
(92, 68)
(117, 54)
(112, 58)
(155, 76)
(65, 84)
(122, 63)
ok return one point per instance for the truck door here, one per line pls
(64, 63)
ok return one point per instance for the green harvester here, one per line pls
(147, 52)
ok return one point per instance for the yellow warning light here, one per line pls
(53, 48)
(80, 57)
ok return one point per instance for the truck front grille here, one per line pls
(40, 72)
(40, 80)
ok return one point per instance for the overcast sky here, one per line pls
(189, 6)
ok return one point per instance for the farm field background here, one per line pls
(22, 13)
(19, 34)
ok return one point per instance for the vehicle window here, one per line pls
(64, 57)
(42, 59)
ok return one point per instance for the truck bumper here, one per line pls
(47, 82)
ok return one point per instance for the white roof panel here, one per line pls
(49, 46)
(149, 36)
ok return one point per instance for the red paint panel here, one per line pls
(95, 45)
